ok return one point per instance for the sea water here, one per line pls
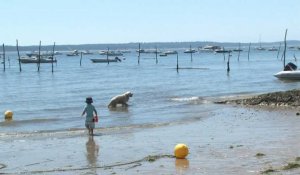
(47, 102)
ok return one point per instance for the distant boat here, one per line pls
(125, 51)
(87, 52)
(237, 50)
(111, 53)
(260, 48)
(105, 60)
(272, 49)
(190, 51)
(34, 59)
(73, 53)
(210, 48)
(140, 51)
(170, 52)
(222, 51)
(36, 53)
(163, 55)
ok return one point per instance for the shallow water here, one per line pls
(42, 101)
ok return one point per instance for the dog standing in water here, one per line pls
(120, 99)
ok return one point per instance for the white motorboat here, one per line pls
(35, 59)
(73, 53)
(288, 74)
(105, 60)
(290, 71)
(222, 51)
(87, 52)
(111, 53)
(210, 48)
(170, 52)
(190, 51)
(272, 49)
(163, 55)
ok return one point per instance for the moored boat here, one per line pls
(105, 60)
(288, 75)
(190, 51)
(34, 59)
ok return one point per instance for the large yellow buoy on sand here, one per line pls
(181, 151)
(8, 115)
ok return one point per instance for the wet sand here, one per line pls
(227, 140)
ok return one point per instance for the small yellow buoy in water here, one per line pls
(181, 151)
(8, 115)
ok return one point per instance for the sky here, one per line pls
(124, 21)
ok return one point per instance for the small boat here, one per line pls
(163, 55)
(290, 72)
(73, 53)
(140, 51)
(35, 59)
(87, 52)
(111, 53)
(210, 48)
(190, 51)
(237, 50)
(105, 60)
(170, 52)
(260, 48)
(222, 51)
(36, 53)
(288, 75)
(273, 49)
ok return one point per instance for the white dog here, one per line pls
(120, 99)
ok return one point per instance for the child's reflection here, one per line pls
(92, 150)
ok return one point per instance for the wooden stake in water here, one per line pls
(228, 66)
(3, 49)
(80, 58)
(52, 58)
(278, 50)
(177, 67)
(19, 57)
(191, 53)
(239, 51)
(249, 51)
(224, 54)
(284, 51)
(139, 53)
(39, 61)
(107, 55)
(156, 55)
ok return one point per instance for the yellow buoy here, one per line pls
(181, 151)
(8, 115)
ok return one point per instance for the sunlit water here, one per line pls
(45, 101)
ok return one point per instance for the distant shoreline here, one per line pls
(144, 45)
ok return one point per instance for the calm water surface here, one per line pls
(42, 101)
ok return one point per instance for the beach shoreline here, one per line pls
(232, 140)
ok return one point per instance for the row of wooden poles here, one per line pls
(19, 57)
(139, 56)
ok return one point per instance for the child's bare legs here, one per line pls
(91, 132)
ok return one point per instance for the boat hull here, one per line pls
(289, 75)
(35, 60)
(100, 60)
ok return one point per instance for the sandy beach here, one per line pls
(228, 140)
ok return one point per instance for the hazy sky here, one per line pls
(122, 21)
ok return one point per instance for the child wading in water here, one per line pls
(89, 111)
